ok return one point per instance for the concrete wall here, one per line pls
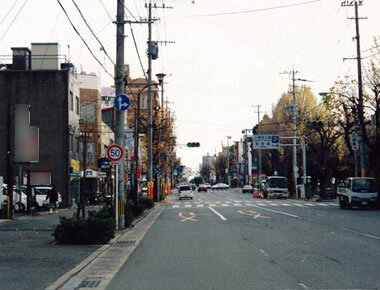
(47, 93)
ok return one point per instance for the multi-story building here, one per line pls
(47, 82)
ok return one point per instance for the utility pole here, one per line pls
(120, 115)
(294, 112)
(363, 135)
(9, 165)
(259, 131)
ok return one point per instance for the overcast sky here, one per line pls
(227, 56)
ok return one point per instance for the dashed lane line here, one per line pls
(361, 234)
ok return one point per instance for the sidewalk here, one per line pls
(30, 259)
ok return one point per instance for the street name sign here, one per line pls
(115, 153)
(121, 102)
(266, 141)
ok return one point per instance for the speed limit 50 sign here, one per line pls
(115, 153)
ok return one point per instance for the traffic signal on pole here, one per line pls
(255, 129)
(316, 125)
(193, 144)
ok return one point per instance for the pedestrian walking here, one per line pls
(53, 199)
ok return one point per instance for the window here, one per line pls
(71, 145)
(77, 105)
(87, 112)
(71, 101)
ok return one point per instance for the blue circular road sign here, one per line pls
(122, 103)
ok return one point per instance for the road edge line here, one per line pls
(218, 214)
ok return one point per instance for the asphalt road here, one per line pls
(228, 240)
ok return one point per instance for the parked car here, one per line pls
(219, 186)
(358, 191)
(247, 189)
(275, 186)
(185, 191)
(208, 185)
(202, 187)
(19, 205)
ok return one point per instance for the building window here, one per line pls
(87, 112)
(71, 101)
(77, 105)
(91, 152)
(71, 142)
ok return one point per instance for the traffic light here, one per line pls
(193, 144)
(255, 129)
(316, 125)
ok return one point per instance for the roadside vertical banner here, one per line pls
(150, 189)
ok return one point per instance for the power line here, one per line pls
(105, 9)
(257, 10)
(137, 50)
(92, 32)
(10, 9)
(84, 41)
(13, 20)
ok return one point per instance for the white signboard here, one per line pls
(266, 141)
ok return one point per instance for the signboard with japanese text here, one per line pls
(266, 141)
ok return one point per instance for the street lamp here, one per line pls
(136, 141)
(160, 77)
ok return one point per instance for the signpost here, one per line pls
(354, 138)
(115, 153)
(266, 141)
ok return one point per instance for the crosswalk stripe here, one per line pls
(175, 205)
(262, 204)
(237, 204)
(200, 205)
(187, 205)
(286, 204)
(322, 204)
(310, 204)
(212, 204)
(297, 204)
(224, 204)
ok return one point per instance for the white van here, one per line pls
(275, 186)
(358, 191)
(185, 191)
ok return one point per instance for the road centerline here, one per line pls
(217, 213)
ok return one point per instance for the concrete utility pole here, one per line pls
(120, 115)
(259, 131)
(363, 161)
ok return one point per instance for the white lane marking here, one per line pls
(303, 286)
(261, 204)
(237, 204)
(187, 205)
(232, 199)
(279, 212)
(218, 202)
(175, 205)
(310, 204)
(200, 205)
(322, 204)
(274, 204)
(212, 204)
(224, 204)
(297, 204)
(361, 234)
(286, 204)
(218, 214)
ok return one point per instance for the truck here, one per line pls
(275, 186)
(358, 191)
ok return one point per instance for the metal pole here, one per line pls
(120, 115)
(304, 165)
(356, 163)
(9, 165)
(150, 118)
(137, 132)
(294, 117)
(246, 158)
(228, 161)
(117, 197)
(360, 101)
(84, 191)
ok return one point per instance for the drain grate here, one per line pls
(90, 284)
(126, 243)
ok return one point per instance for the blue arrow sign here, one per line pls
(122, 103)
